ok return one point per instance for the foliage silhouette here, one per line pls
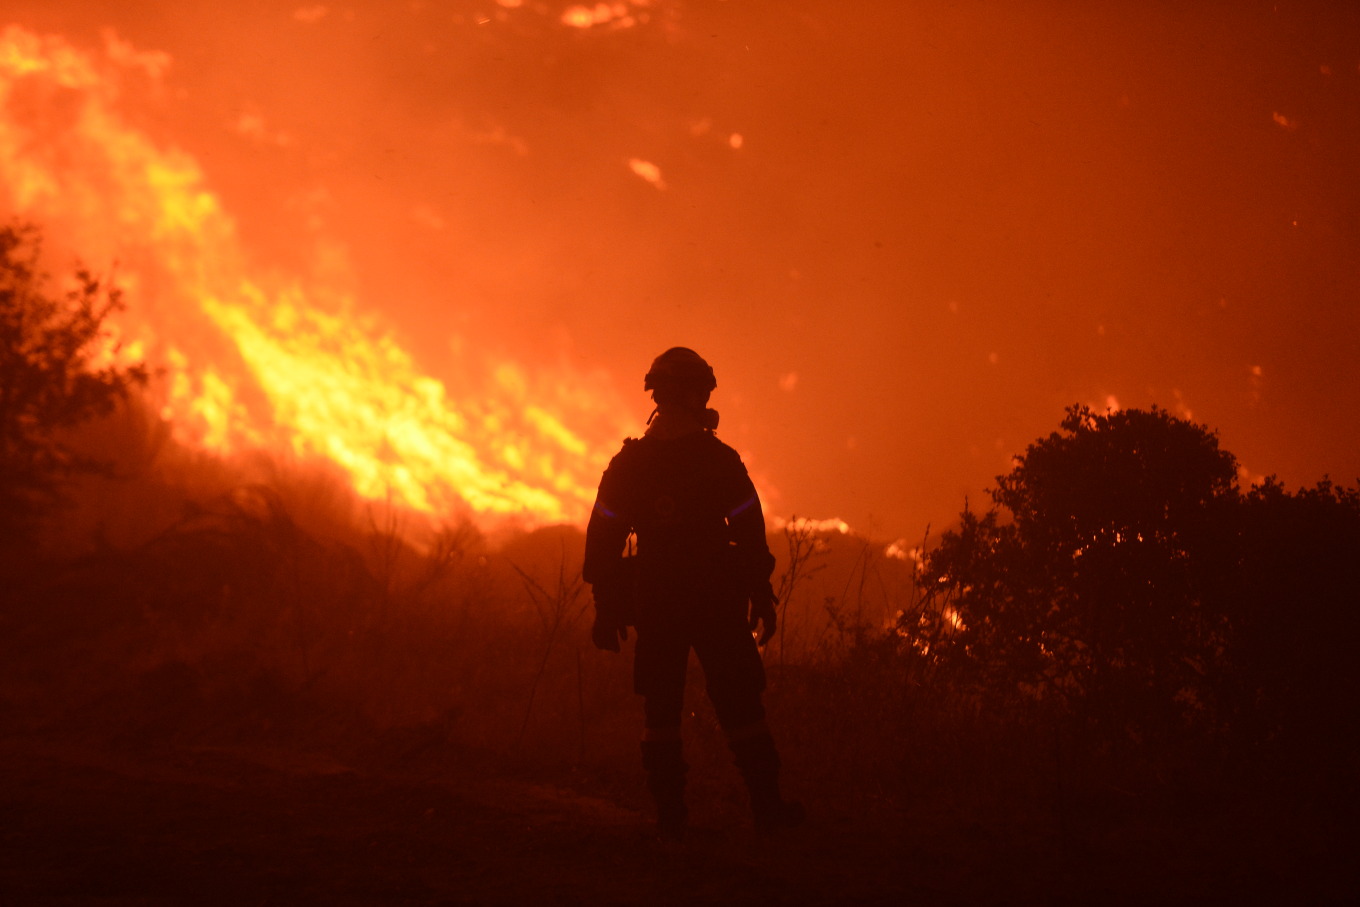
(53, 377)
(1292, 599)
(1122, 578)
(1085, 581)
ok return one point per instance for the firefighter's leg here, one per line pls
(758, 761)
(663, 759)
(735, 678)
(659, 676)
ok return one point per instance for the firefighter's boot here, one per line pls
(758, 761)
(665, 765)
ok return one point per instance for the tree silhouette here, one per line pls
(1292, 598)
(51, 377)
(1088, 579)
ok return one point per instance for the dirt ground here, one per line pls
(198, 825)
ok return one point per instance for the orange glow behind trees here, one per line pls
(907, 235)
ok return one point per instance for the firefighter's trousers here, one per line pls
(718, 633)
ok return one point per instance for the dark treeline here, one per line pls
(1124, 584)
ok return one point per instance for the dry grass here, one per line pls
(271, 613)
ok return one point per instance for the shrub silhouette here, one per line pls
(1291, 596)
(51, 379)
(1123, 577)
(1084, 581)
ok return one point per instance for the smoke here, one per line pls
(950, 221)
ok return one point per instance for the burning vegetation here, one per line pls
(251, 361)
(298, 539)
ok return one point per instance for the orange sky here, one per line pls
(905, 234)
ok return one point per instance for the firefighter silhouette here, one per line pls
(699, 580)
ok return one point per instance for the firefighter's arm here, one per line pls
(605, 535)
(607, 635)
(747, 523)
(764, 613)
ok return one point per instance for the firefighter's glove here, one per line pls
(605, 634)
(611, 621)
(763, 615)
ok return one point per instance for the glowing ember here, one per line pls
(648, 171)
(612, 15)
(256, 362)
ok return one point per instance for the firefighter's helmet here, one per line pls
(680, 367)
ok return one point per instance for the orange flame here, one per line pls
(256, 363)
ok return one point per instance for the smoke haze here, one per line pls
(906, 236)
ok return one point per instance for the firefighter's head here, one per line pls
(680, 379)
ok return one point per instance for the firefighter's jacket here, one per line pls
(699, 528)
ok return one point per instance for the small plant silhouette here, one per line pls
(53, 377)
